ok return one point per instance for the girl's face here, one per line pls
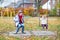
(44, 17)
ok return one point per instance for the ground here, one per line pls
(31, 23)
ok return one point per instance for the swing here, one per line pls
(42, 12)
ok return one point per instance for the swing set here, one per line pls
(40, 11)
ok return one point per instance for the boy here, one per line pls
(19, 21)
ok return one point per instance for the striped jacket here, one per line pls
(16, 20)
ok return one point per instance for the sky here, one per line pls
(7, 2)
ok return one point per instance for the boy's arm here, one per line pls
(15, 18)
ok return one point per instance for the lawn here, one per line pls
(31, 23)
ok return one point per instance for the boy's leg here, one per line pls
(18, 27)
(22, 28)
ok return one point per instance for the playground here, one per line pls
(7, 29)
(33, 11)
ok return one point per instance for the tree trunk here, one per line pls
(58, 12)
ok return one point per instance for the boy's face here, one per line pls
(20, 13)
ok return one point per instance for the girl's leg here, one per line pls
(42, 26)
(46, 27)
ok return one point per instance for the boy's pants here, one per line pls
(20, 26)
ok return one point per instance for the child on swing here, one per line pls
(44, 22)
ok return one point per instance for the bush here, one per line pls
(53, 12)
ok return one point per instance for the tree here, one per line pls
(1, 1)
(58, 7)
(53, 12)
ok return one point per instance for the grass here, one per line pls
(31, 23)
(3, 37)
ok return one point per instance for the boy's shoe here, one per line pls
(23, 33)
(15, 33)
